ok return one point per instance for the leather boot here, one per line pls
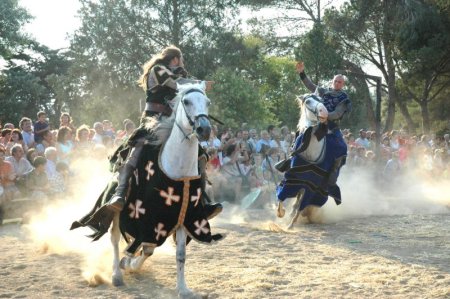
(117, 201)
(211, 209)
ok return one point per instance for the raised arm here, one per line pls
(300, 68)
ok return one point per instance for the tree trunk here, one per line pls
(411, 126)
(425, 116)
(361, 85)
(390, 66)
(176, 29)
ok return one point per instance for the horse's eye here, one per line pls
(186, 102)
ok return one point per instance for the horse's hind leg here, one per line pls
(182, 288)
(117, 277)
(295, 209)
(297, 203)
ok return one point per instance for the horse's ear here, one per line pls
(203, 85)
(300, 99)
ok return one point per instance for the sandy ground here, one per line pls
(372, 246)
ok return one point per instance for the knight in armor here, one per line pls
(337, 103)
(160, 77)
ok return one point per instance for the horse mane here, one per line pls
(162, 129)
(302, 121)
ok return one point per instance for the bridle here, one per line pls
(192, 120)
(314, 109)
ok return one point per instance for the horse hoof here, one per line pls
(117, 281)
(187, 294)
(280, 211)
(125, 263)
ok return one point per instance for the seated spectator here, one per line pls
(394, 140)
(51, 154)
(265, 140)
(37, 182)
(9, 126)
(268, 170)
(213, 141)
(362, 140)
(6, 137)
(7, 178)
(108, 129)
(252, 140)
(83, 145)
(64, 144)
(99, 133)
(22, 167)
(31, 154)
(392, 169)
(65, 120)
(360, 158)
(25, 125)
(58, 183)
(286, 145)
(47, 141)
(16, 138)
(129, 129)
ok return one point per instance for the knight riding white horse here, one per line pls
(319, 150)
(165, 193)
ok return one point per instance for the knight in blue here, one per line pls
(319, 179)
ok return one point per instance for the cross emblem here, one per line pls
(196, 198)
(149, 170)
(201, 227)
(169, 196)
(163, 71)
(159, 231)
(136, 209)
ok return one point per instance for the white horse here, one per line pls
(178, 160)
(313, 162)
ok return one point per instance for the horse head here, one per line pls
(192, 111)
(312, 111)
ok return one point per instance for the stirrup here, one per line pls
(116, 203)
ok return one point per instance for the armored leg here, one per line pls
(117, 201)
(333, 176)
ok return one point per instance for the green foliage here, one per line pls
(12, 18)
(237, 100)
(320, 53)
(27, 85)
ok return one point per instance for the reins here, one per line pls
(192, 122)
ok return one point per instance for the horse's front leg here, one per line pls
(296, 209)
(135, 263)
(182, 288)
(117, 277)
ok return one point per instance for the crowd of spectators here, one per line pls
(242, 159)
(36, 157)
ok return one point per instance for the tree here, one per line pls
(117, 37)
(12, 18)
(237, 99)
(424, 56)
(366, 30)
(27, 85)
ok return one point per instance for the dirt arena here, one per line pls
(375, 245)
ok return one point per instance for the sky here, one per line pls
(54, 19)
